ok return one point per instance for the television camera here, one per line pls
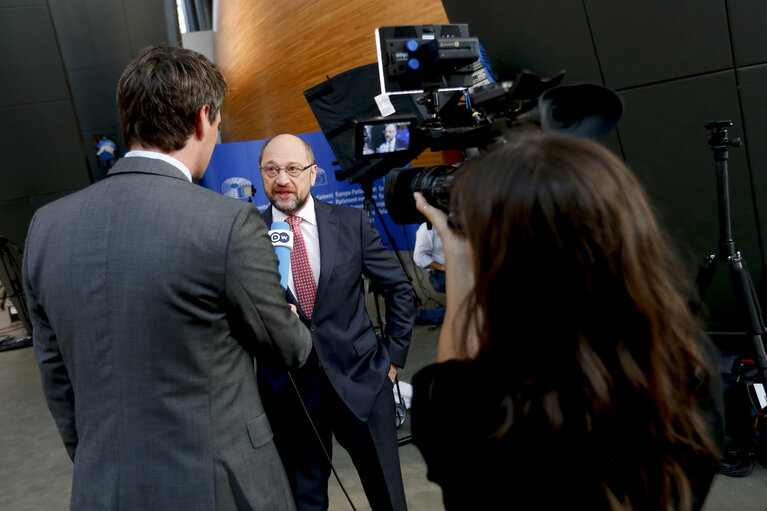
(465, 109)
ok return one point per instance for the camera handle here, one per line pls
(430, 100)
(743, 286)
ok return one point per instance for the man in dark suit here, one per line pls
(346, 384)
(149, 296)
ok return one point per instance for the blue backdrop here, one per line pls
(236, 164)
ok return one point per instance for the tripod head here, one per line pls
(710, 125)
(719, 142)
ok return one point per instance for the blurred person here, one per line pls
(391, 143)
(149, 296)
(429, 254)
(570, 371)
(347, 382)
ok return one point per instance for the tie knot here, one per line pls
(293, 221)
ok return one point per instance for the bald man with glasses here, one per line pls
(346, 385)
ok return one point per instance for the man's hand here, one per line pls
(434, 265)
(392, 372)
(295, 311)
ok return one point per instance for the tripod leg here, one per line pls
(749, 304)
(703, 282)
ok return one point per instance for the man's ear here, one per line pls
(202, 122)
(313, 176)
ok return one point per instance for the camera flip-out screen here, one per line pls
(379, 136)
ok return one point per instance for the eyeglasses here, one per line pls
(292, 171)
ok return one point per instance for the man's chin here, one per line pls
(288, 207)
(285, 208)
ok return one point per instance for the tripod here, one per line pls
(743, 287)
(13, 291)
(740, 278)
(370, 207)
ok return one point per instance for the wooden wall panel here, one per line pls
(270, 51)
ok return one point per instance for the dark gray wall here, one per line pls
(677, 65)
(61, 60)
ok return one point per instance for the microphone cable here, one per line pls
(319, 439)
(283, 240)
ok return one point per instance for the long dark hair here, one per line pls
(579, 297)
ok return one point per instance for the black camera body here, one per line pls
(432, 181)
(417, 58)
(460, 106)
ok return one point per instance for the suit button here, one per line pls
(313, 328)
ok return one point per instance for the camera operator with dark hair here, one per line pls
(567, 341)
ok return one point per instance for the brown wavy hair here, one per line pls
(160, 93)
(578, 297)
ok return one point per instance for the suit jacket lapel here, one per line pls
(327, 226)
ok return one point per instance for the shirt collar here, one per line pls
(164, 157)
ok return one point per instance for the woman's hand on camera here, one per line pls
(459, 284)
(436, 217)
(454, 245)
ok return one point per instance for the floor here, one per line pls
(35, 472)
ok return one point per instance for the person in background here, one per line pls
(570, 370)
(347, 383)
(149, 296)
(429, 254)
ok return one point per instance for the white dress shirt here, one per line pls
(164, 157)
(311, 236)
(386, 147)
(428, 247)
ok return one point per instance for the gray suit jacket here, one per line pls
(149, 296)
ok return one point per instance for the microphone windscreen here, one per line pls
(282, 239)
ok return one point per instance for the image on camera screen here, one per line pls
(386, 138)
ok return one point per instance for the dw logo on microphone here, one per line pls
(280, 237)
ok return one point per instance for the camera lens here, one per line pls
(433, 182)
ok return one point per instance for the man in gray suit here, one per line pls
(149, 297)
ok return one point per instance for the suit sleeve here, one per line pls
(56, 383)
(253, 286)
(386, 273)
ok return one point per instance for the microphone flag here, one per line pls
(282, 240)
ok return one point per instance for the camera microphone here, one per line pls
(282, 240)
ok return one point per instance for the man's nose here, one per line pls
(282, 178)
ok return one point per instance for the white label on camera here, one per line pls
(384, 104)
(761, 395)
